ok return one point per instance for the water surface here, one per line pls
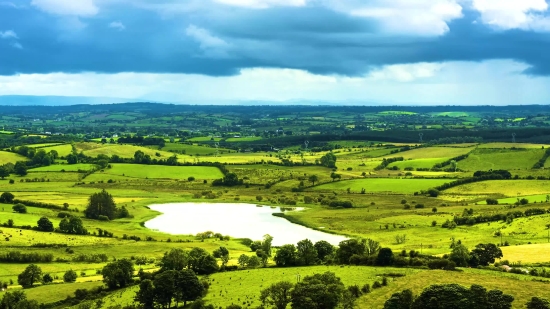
(237, 220)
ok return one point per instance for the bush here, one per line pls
(20, 208)
(102, 218)
(418, 206)
(70, 276)
(190, 178)
(7, 197)
(491, 201)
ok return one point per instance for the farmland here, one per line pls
(319, 163)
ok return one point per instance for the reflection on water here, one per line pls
(237, 220)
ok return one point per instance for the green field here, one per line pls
(65, 167)
(161, 172)
(403, 186)
(510, 188)
(10, 157)
(486, 159)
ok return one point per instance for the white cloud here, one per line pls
(468, 83)
(117, 25)
(17, 45)
(211, 45)
(67, 7)
(420, 17)
(9, 34)
(406, 72)
(512, 14)
(263, 4)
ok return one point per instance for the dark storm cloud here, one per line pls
(224, 41)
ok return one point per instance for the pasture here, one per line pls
(399, 186)
(484, 159)
(510, 188)
(10, 157)
(161, 171)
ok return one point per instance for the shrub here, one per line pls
(7, 197)
(20, 208)
(419, 206)
(491, 201)
(70, 276)
(190, 178)
(102, 218)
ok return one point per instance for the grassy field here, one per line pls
(432, 153)
(62, 150)
(124, 151)
(9, 157)
(486, 159)
(406, 186)
(161, 172)
(65, 167)
(510, 188)
(192, 149)
(513, 145)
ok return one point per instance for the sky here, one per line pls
(418, 52)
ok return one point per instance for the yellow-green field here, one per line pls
(10, 157)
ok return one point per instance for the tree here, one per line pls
(20, 208)
(70, 276)
(348, 248)
(118, 273)
(306, 252)
(454, 165)
(4, 172)
(17, 300)
(277, 295)
(243, 260)
(6, 197)
(202, 262)
(101, 204)
(223, 254)
(266, 244)
(175, 259)
(433, 192)
(47, 278)
(20, 168)
(538, 303)
(313, 179)
(324, 248)
(72, 225)
(253, 261)
(460, 255)
(328, 160)
(285, 256)
(146, 294)
(72, 159)
(385, 257)
(371, 247)
(335, 176)
(188, 286)
(45, 225)
(29, 276)
(401, 300)
(318, 291)
(487, 253)
(165, 288)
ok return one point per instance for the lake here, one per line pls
(237, 220)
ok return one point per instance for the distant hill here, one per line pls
(23, 100)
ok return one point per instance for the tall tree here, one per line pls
(487, 253)
(285, 256)
(313, 179)
(44, 224)
(324, 248)
(175, 259)
(318, 291)
(4, 172)
(188, 286)
(277, 295)
(118, 273)
(223, 254)
(20, 168)
(307, 254)
(29, 276)
(146, 294)
(101, 204)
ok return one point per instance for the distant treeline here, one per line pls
(18, 257)
(478, 176)
(471, 220)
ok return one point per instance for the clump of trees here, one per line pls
(101, 206)
(451, 296)
(230, 180)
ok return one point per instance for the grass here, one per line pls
(161, 172)
(486, 159)
(516, 145)
(406, 186)
(9, 157)
(66, 167)
(62, 150)
(243, 139)
(192, 149)
(510, 188)
(124, 151)
(432, 153)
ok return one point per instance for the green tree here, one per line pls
(253, 261)
(266, 244)
(487, 253)
(17, 300)
(146, 294)
(243, 260)
(460, 255)
(45, 225)
(324, 248)
(318, 291)
(118, 273)
(72, 159)
(6, 197)
(385, 257)
(223, 254)
(72, 225)
(29, 276)
(277, 295)
(202, 262)
(538, 303)
(70, 276)
(165, 288)
(20, 168)
(20, 208)
(401, 300)
(47, 279)
(4, 172)
(188, 286)
(329, 160)
(306, 252)
(175, 259)
(313, 179)
(101, 204)
(285, 256)
(348, 248)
